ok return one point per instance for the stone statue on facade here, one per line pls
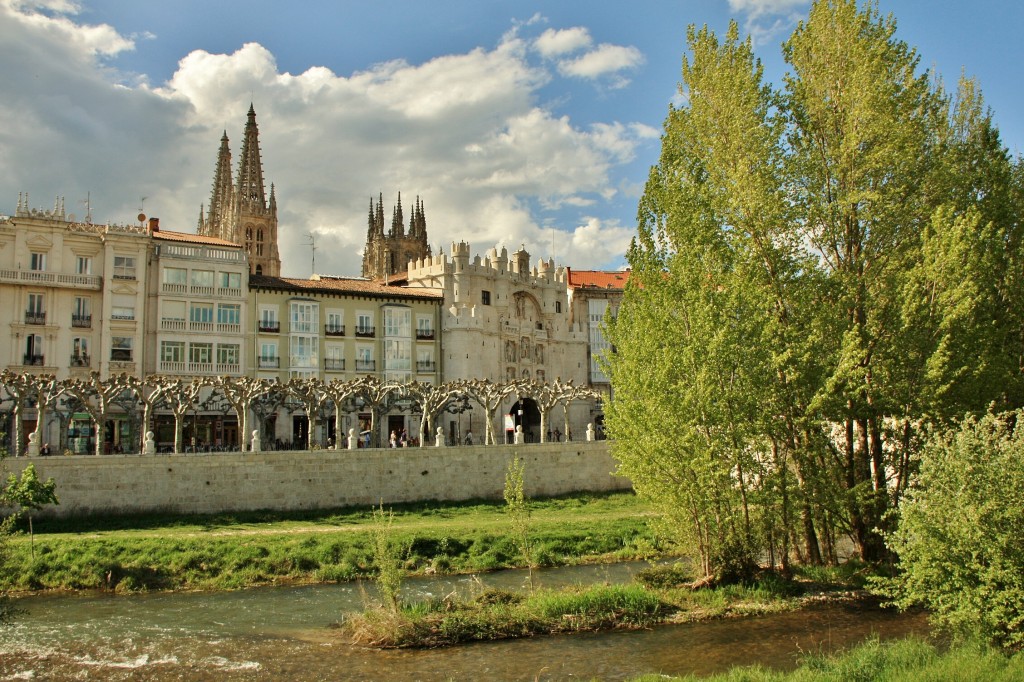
(439, 438)
(149, 446)
(590, 433)
(256, 446)
(353, 442)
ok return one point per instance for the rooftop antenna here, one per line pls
(88, 207)
(312, 244)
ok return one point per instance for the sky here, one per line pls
(516, 122)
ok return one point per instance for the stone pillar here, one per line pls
(353, 441)
(439, 438)
(149, 447)
(590, 433)
(33, 445)
(256, 447)
(519, 435)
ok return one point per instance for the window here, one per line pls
(81, 315)
(202, 279)
(172, 351)
(34, 349)
(485, 297)
(335, 323)
(268, 355)
(364, 359)
(176, 276)
(121, 348)
(268, 320)
(424, 327)
(201, 312)
(79, 352)
(334, 358)
(229, 313)
(227, 354)
(35, 304)
(304, 351)
(174, 310)
(122, 313)
(37, 262)
(230, 280)
(397, 322)
(200, 353)
(364, 324)
(83, 265)
(304, 318)
(124, 267)
(558, 306)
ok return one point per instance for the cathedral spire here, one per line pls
(249, 184)
(398, 220)
(220, 196)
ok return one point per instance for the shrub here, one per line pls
(960, 538)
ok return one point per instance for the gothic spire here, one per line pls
(220, 196)
(249, 185)
(398, 220)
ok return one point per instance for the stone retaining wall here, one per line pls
(322, 479)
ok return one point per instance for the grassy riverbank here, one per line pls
(907, 660)
(244, 550)
(661, 594)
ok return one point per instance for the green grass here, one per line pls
(243, 550)
(502, 615)
(906, 660)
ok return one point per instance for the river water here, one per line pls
(285, 634)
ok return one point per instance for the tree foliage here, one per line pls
(821, 270)
(960, 538)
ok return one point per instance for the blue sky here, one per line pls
(516, 122)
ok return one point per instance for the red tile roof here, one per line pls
(193, 239)
(601, 279)
(344, 285)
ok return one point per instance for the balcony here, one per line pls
(228, 368)
(334, 330)
(172, 367)
(84, 321)
(57, 279)
(173, 288)
(172, 325)
(80, 360)
(366, 365)
(424, 334)
(426, 366)
(228, 292)
(35, 317)
(34, 360)
(200, 290)
(269, 363)
(366, 332)
(270, 326)
(334, 364)
(229, 328)
(200, 326)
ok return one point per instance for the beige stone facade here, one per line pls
(75, 294)
(503, 319)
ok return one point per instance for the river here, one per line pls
(284, 633)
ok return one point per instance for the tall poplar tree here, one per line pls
(819, 270)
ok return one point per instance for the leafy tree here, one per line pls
(960, 539)
(29, 494)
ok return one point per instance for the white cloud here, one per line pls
(757, 8)
(463, 131)
(768, 19)
(605, 59)
(555, 42)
